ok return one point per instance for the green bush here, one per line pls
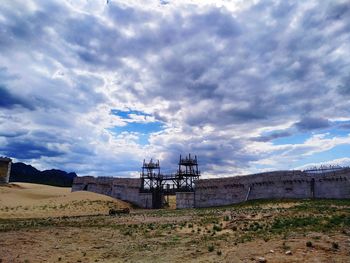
(211, 248)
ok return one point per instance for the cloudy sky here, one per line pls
(248, 86)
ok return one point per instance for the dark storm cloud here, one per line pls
(267, 64)
(124, 15)
(27, 29)
(311, 123)
(28, 150)
(8, 100)
(12, 133)
(345, 125)
(215, 152)
(272, 136)
(344, 87)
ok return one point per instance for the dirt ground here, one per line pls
(260, 231)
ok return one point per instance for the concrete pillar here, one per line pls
(5, 170)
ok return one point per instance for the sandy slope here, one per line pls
(35, 200)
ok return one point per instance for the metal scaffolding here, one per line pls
(153, 181)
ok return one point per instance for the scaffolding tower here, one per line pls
(150, 176)
(187, 173)
(153, 181)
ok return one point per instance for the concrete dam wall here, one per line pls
(126, 189)
(272, 185)
(230, 190)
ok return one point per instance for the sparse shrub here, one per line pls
(190, 225)
(211, 248)
(335, 245)
(217, 228)
(226, 218)
(309, 244)
(219, 253)
(127, 233)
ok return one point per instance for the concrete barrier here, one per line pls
(230, 190)
(272, 185)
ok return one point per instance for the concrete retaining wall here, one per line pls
(184, 200)
(272, 185)
(333, 186)
(126, 189)
(230, 190)
(5, 169)
(145, 199)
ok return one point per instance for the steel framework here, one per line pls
(187, 173)
(153, 181)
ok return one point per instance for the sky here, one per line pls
(248, 86)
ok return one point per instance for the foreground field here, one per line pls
(259, 231)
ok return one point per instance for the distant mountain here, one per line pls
(21, 172)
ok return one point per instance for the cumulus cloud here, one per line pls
(224, 80)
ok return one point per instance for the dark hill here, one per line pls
(21, 172)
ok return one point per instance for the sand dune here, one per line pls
(19, 200)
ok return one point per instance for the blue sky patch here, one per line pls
(336, 152)
(293, 139)
(142, 129)
(126, 114)
(331, 133)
